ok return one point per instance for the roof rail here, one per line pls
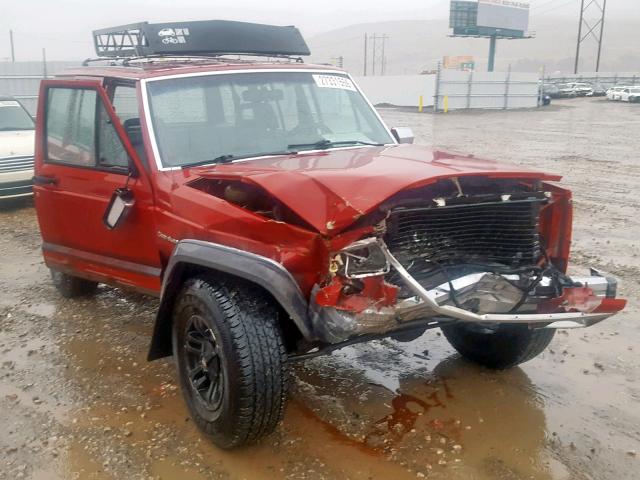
(209, 59)
(199, 38)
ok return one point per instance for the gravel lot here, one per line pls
(78, 399)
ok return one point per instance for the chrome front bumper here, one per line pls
(333, 325)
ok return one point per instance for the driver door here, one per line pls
(82, 157)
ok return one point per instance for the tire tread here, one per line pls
(509, 346)
(259, 353)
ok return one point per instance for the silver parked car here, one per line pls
(17, 142)
(582, 89)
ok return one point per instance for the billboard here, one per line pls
(489, 18)
(503, 15)
(463, 14)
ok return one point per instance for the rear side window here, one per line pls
(80, 132)
(125, 102)
(111, 152)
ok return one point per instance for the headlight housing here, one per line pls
(364, 258)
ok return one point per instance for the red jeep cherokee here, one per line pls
(278, 218)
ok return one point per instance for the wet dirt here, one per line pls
(78, 399)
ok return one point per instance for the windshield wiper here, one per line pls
(219, 159)
(326, 143)
(228, 158)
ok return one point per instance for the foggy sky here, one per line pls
(64, 27)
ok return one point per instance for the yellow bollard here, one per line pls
(446, 103)
(420, 104)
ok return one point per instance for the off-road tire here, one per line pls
(72, 287)
(252, 357)
(506, 347)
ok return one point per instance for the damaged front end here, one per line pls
(488, 258)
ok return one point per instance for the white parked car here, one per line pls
(614, 92)
(630, 94)
(17, 142)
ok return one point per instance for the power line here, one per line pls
(556, 7)
(543, 4)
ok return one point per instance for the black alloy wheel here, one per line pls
(204, 364)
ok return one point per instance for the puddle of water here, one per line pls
(377, 411)
(82, 466)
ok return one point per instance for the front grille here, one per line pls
(434, 243)
(15, 164)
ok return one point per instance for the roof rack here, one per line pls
(199, 38)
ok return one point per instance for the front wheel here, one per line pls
(500, 348)
(231, 359)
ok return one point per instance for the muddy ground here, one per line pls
(78, 399)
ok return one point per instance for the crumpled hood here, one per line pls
(17, 143)
(332, 189)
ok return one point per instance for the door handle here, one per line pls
(44, 180)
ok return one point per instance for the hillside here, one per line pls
(417, 45)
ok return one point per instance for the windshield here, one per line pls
(14, 117)
(228, 116)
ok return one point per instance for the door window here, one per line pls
(80, 132)
(71, 126)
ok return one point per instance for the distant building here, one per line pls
(460, 62)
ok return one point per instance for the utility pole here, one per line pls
(383, 59)
(13, 53)
(575, 67)
(373, 59)
(44, 63)
(378, 55)
(591, 30)
(604, 7)
(365, 53)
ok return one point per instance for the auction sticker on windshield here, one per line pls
(9, 103)
(334, 81)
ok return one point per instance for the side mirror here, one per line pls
(403, 134)
(119, 207)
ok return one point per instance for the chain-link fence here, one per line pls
(487, 90)
(604, 80)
